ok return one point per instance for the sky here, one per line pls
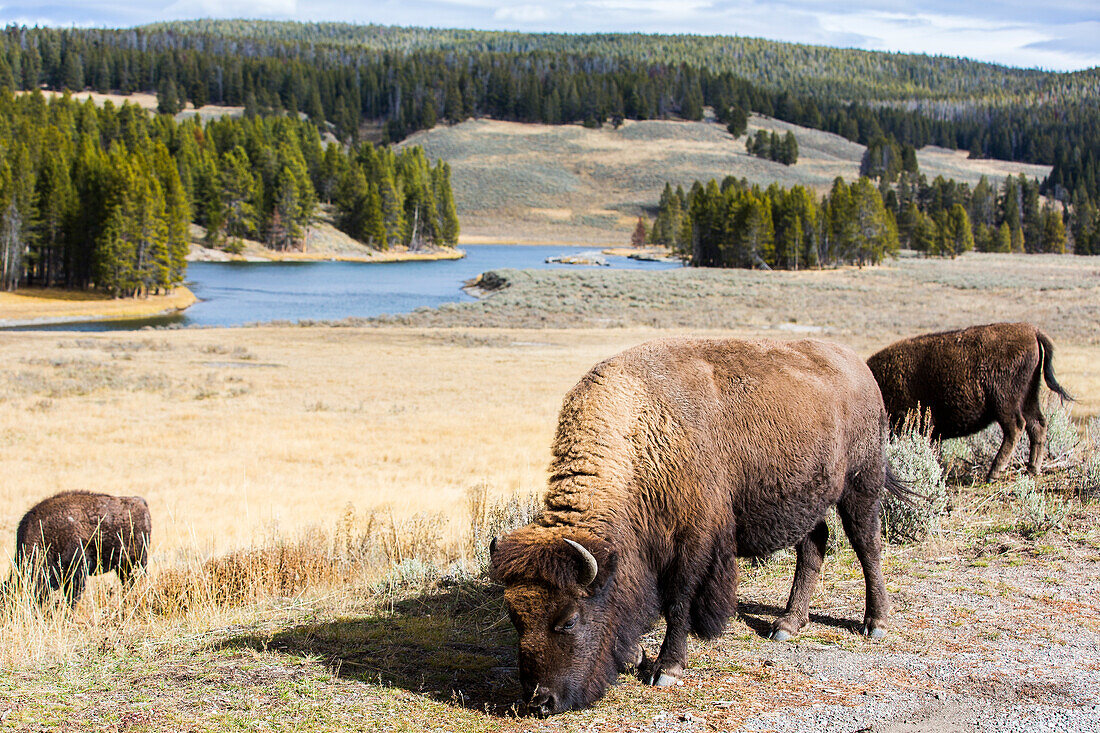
(1050, 34)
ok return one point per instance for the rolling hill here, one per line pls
(568, 183)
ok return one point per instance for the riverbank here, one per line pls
(262, 254)
(41, 306)
(323, 242)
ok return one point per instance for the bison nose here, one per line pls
(543, 702)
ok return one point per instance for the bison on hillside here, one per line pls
(69, 536)
(672, 459)
(969, 379)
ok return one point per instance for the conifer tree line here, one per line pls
(411, 79)
(946, 217)
(104, 196)
(772, 147)
(738, 225)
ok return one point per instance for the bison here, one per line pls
(671, 460)
(970, 378)
(69, 536)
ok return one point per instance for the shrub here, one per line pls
(1039, 511)
(916, 461)
(1085, 476)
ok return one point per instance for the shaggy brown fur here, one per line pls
(69, 536)
(671, 459)
(970, 378)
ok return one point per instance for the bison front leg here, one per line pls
(668, 668)
(811, 554)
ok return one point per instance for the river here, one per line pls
(239, 293)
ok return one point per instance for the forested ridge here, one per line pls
(409, 79)
(104, 196)
(800, 68)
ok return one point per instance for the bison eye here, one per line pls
(567, 625)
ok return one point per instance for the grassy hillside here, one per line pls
(567, 183)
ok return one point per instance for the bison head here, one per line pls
(557, 583)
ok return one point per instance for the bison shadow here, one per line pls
(454, 644)
(759, 618)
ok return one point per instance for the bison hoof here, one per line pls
(780, 635)
(662, 675)
(873, 631)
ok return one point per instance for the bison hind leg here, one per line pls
(716, 597)
(859, 515)
(810, 556)
(1036, 432)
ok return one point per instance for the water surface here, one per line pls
(239, 293)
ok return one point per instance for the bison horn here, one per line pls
(591, 568)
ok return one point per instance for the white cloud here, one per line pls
(984, 39)
(232, 9)
(523, 14)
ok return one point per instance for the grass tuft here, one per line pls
(1039, 511)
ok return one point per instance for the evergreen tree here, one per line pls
(1053, 230)
(737, 121)
(638, 238)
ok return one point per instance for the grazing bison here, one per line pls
(69, 536)
(671, 460)
(970, 378)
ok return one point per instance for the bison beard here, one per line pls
(671, 460)
(971, 378)
(63, 539)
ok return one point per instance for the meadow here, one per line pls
(322, 496)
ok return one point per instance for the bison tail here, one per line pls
(901, 490)
(1046, 356)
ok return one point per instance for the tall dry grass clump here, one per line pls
(1085, 476)
(352, 563)
(489, 518)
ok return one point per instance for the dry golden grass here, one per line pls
(237, 434)
(43, 305)
(233, 434)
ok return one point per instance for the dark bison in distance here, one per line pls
(69, 536)
(672, 459)
(971, 378)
